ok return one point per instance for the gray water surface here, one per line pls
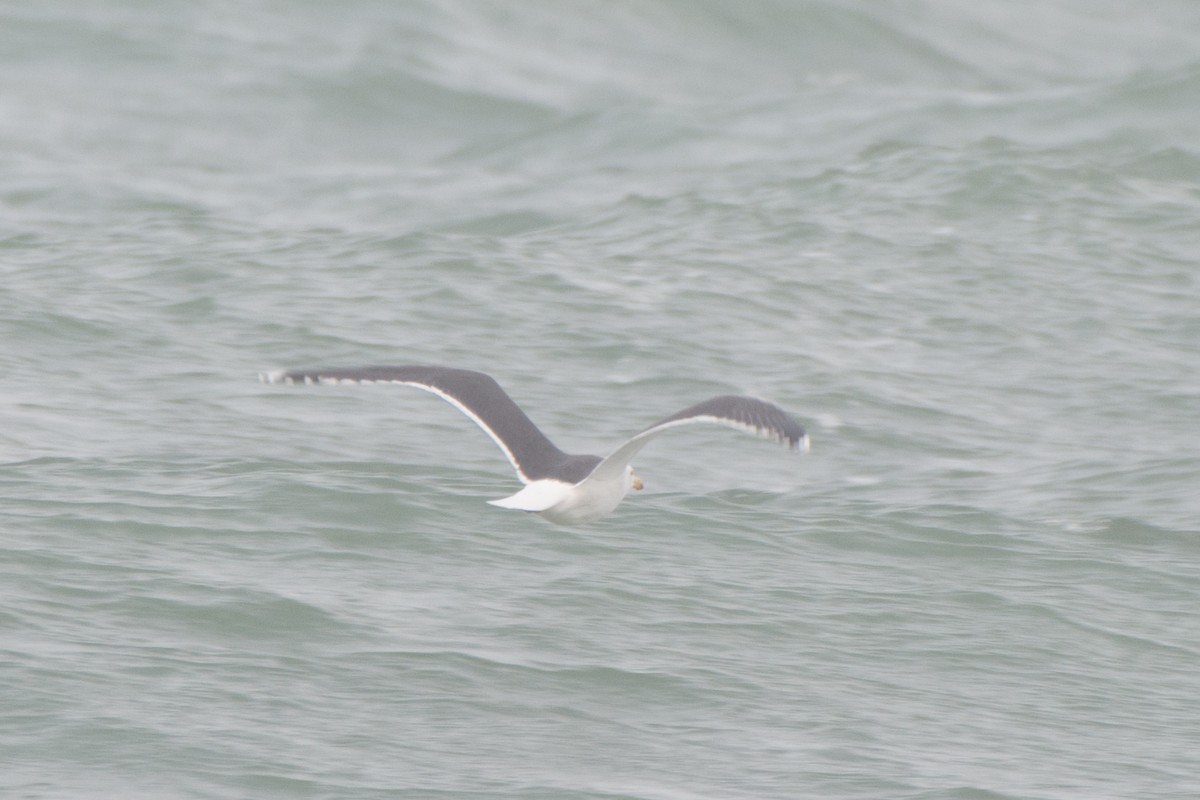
(959, 243)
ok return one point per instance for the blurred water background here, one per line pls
(958, 241)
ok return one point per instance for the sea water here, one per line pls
(958, 242)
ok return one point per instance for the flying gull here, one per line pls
(564, 489)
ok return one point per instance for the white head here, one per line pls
(632, 481)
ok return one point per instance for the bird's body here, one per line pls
(572, 504)
(563, 488)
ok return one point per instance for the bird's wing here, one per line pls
(473, 393)
(734, 411)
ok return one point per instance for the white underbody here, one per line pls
(571, 504)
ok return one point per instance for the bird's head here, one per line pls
(634, 481)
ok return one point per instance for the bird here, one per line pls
(563, 489)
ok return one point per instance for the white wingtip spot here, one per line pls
(805, 444)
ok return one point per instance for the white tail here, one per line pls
(536, 496)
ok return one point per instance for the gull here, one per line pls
(562, 488)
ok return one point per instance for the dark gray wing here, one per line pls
(732, 410)
(479, 397)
